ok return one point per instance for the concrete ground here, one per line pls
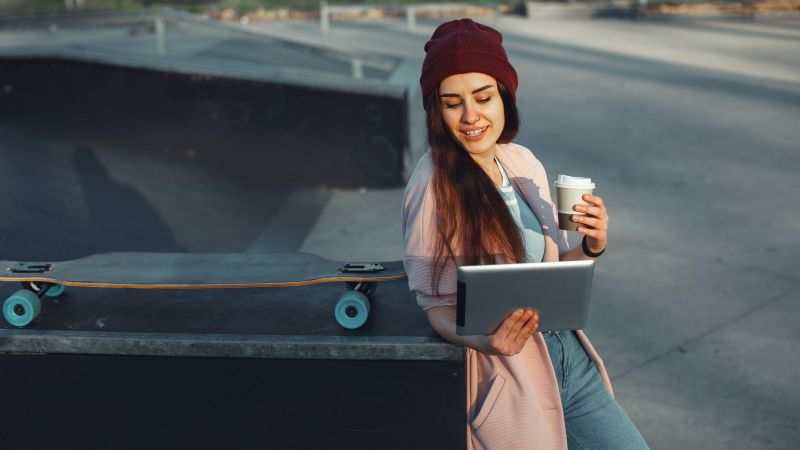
(689, 128)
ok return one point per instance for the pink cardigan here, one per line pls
(512, 402)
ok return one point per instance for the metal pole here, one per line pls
(358, 68)
(411, 19)
(639, 6)
(161, 36)
(324, 19)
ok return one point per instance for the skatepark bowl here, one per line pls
(211, 138)
(192, 150)
(111, 142)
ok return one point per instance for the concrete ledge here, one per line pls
(45, 37)
(403, 75)
(159, 59)
(243, 71)
(406, 348)
(117, 19)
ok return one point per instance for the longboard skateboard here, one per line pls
(195, 271)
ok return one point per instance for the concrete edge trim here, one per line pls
(293, 77)
(327, 49)
(404, 348)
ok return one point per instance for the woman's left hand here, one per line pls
(594, 222)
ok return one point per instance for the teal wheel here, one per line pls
(352, 310)
(21, 308)
(55, 290)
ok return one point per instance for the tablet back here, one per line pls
(560, 291)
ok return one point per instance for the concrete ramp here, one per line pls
(253, 105)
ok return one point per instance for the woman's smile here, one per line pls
(475, 134)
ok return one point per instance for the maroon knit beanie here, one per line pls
(463, 46)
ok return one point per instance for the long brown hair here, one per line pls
(472, 219)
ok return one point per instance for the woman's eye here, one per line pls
(452, 106)
(484, 100)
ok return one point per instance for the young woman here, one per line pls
(476, 198)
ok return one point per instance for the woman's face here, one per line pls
(473, 111)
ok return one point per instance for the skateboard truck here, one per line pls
(361, 268)
(30, 268)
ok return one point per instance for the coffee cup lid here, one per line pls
(566, 181)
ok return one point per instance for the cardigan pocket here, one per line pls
(488, 403)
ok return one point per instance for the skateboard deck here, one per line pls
(195, 271)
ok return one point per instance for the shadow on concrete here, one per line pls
(120, 218)
(291, 223)
(66, 200)
(143, 160)
(63, 204)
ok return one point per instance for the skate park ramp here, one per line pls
(689, 128)
(211, 140)
(163, 131)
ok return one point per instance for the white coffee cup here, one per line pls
(569, 192)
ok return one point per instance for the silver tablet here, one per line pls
(560, 291)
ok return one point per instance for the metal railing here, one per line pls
(409, 11)
(357, 59)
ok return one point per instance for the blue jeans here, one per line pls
(593, 417)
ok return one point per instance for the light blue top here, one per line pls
(532, 236)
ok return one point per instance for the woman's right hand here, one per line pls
(512, 335)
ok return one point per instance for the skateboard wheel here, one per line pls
(352, 310)
(55, 290)
(21, 308)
